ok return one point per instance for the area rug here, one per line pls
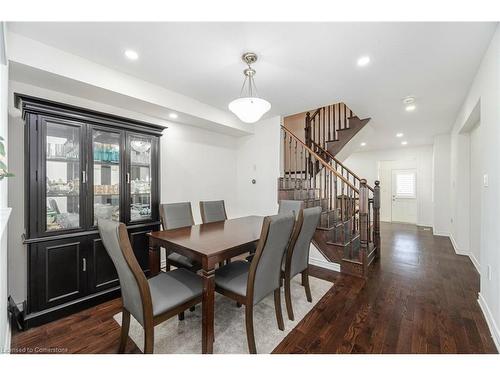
(176, 337)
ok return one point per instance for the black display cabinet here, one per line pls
(82, 165)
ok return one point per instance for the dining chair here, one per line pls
(297, 256)
(152, 301)
(285, 206)
(173, 216)
(290, 206)
(212, 211)
(249, 282)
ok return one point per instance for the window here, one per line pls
(405, 185)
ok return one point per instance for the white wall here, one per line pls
(4, 322)
(259, 158)
(476, 176)
(484, 90)
(367, 164)
(197, 165)
(441, 184)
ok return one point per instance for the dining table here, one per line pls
(208, 244)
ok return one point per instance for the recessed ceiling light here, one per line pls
(173, 115)
(363, 144)
(410, 107)
(399, 135)
(404, 143)
(364, 60)
(409, 100)
(131, 54)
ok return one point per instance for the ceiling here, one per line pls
(301, 65)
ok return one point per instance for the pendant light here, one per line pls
(249, 107)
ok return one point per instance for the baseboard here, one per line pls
(8, 336)
(475, 262)
(438, 233)
(324, 264)
(455, 247)
(495, 332)
(424, 225)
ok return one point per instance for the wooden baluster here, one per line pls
(329, 125)
(302, 167)
(369, 220)
(318, 127)
(363, 225)
(339, 123)
(290, 159)
(324, 129)
(376, 218)
(307, 130)
(345, 117)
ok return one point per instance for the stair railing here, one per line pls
(324, 123)
(307, 177)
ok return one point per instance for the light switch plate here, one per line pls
(485, 180)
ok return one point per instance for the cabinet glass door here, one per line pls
(106, 174)
(63, 168)
(139, 177)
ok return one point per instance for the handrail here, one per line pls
(339, 162)
(325, 164)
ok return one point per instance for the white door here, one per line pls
(404, 196)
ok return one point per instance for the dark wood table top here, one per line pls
(213, 240)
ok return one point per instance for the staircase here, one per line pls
(349, 229)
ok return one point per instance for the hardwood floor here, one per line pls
(419, 298)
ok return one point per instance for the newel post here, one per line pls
(376, 217)
(364, 225)
(307, 130)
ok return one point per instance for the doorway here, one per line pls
(404, 196)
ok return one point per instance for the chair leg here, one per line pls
(305, 282)
(277, 308)
(167, 266)
(288, 299)
(238, 304)
(249, 325)
(192, 308)
(181, 315)
(149, 338)
(124, 331)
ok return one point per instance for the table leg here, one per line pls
(207, 336)
(154, 258)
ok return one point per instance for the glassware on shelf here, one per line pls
(106, 152)
(62, 176)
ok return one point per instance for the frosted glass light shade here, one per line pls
(248, 109)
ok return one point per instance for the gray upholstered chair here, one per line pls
(212, 211)
(297, 256)
(249, 282)
(290, 206)
(173, 216)
(152, 301)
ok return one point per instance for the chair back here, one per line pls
(212, 211)
(290, 206)
(134, 285)
(297, 258)
(265, 270)
(176, 215)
